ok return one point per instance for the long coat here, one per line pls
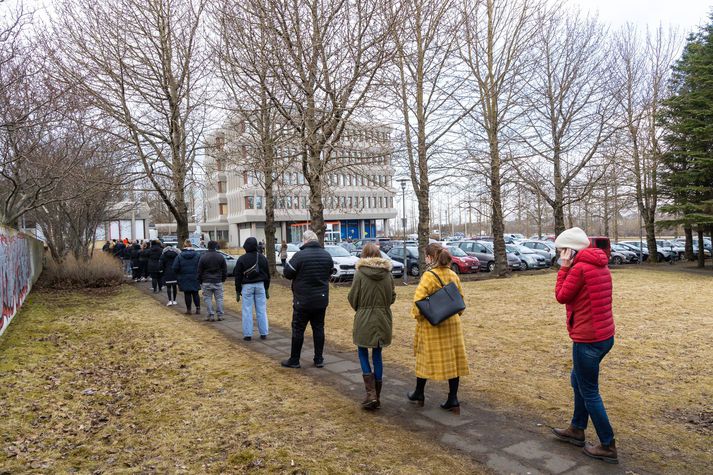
(371, 296)
(167, 258)
(440, 350)
(186, 268)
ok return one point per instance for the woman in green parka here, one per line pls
(371, 296)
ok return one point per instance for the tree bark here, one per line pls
(688, 231)
(701, 247)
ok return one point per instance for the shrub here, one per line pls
(101, 270)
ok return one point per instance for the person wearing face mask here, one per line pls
(440, 350)
(584, 286)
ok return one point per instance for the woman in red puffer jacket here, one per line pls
(584, 285)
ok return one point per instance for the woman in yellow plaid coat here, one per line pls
(440, 350)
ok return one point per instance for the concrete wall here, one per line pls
(20, 266)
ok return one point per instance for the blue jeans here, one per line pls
(253, 296)
(209, 290)
(127, 266)
(376, 359)
(585, 383)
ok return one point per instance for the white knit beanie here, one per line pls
(573, 238)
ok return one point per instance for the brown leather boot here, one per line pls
(606, 453)
(370, 401)
(377, 385)
(570, 434)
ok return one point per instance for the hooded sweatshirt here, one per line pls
(252, 267)
(586, 290)
(371, 296)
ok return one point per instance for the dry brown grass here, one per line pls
(657, 382)
(112, 381)
(102, 270)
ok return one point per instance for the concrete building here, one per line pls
(130, 220)
(358, 195)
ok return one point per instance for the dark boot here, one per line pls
(377, 385)
(370, 400)
(418, 396)
(452, 404)
(606, 453)
(290, 363)
(570, 434)
(198, 310)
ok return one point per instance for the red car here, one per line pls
(462, 262)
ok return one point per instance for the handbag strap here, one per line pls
(439, 279)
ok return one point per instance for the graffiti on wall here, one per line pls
(15, 274)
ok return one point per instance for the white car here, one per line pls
(292, 249)
(344, 263)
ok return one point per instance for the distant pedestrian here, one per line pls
(371, 296)
(261, 248)
(135, 262)
(126, 259)
(118, 250)
(283, 253)
(186, 268)
(310, 270)
(252, 283)
(584, 285)
(440, 350)
(154, 266)
(201, 242)
(212, 272)
(170, 279)
(144, 262)
(106, 247)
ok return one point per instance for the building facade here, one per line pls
(358, 194)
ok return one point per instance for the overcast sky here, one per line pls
(686, 14)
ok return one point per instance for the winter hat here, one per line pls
(572, 238)
(250, 245)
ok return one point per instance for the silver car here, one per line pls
(230, 261)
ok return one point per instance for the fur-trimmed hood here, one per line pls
(374, 267)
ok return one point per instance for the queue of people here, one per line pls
(583, 285)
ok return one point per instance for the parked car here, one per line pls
(397, 268)
(601, 242)
(481, 252)
(676, 251)
(706, 251)
(663, 254)
(544, 248)
(630, 257)
(514, 262)
(230, 261)
(397, 254)
(616, 257)
(291, 250)
(644, 252)
(529, 259)
(384, 243)
(462, 262)
(344, 263)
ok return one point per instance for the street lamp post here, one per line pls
(403, 226)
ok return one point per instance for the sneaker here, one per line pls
(169, 303)
(319, 363)
(220, 318)
(263, 337)
(174, 303)
(288, 363)
(198, 311)
(247, 338)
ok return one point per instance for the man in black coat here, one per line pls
(310, 270)
(212, 272)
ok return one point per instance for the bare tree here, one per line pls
(569, 109)
(144, 64)
(325, 57)
(643, 67)
(493, 44)
(427, 87)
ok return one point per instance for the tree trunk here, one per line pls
(270, 221)
(496, 216)
(701, 247)
(650, 227)
(316, 207)
(424, 225)
(688, 231)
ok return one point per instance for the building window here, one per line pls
(221, 187)
(223, 209)
(304, 202)
(249, 202)
(258, 202)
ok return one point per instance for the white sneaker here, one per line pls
(170, 302)
(175, 303)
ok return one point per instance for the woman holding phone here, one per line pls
(584, 285)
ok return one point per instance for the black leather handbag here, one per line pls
(442, 304)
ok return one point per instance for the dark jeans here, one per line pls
(143, 269)
(586, 358)
(300, 318)
(172, 290)
(192, 296)
(156, 281)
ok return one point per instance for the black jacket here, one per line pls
(166, 264)
(247, 261)
(144, 255)
(212, 268)
(135, 254)
(309, 270)
(155, 252)
(119, 249)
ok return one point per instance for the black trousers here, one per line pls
(156, 283)
(144, 268)
(300, 318)
(192, 296)
(172, 290)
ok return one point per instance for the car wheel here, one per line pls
(524, 266)
(414, 270)
(661, 257)
(455, 268)
(491, 266)
(617, 260)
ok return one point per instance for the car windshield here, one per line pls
(413, 251)
(337, 251)
(457, 251)
(511, 248)
(525, 250)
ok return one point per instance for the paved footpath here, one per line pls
(498, 441)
